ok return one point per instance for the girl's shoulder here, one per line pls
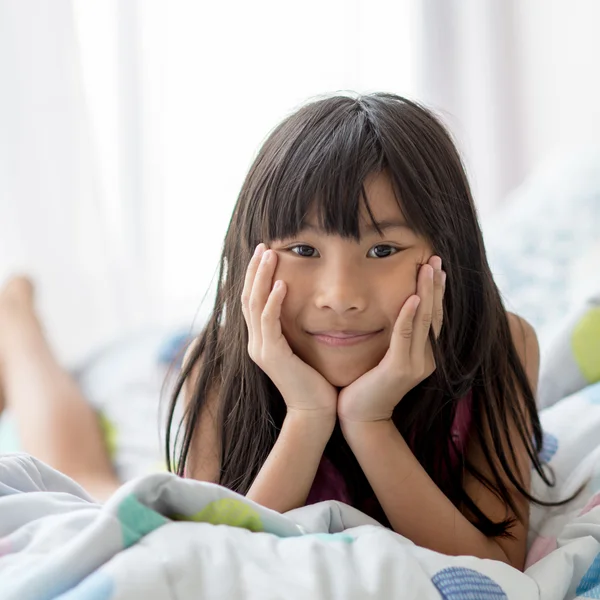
(527, 346)
(520, 324)
(203, 459)
(522, 332)
(192, 378)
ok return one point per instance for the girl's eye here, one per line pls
(302, 247)
(385, 250)
(381, 251)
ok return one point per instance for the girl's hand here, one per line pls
(409, 359)
(304, 390)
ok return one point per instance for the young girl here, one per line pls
(358, 349)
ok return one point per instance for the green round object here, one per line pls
(585, 343)
(229, 511)
(109, 433)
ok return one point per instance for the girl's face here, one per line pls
(336, 285)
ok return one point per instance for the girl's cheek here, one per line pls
(397, 301)
(281, 269)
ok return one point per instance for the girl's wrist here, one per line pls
(351, 427)
(314, 420)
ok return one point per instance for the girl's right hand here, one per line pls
(304, 390)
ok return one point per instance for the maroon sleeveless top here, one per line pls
(330, 485)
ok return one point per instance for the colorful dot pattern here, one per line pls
(541, 547)
(5, 546)
(592, 503)
(227, 511)
(549, 447)
(460, 583)
(173, 348)
(585, 343)
(109, 433)
(98, 586)
(589, 586)
(331, 537)
(592, 392)
(137, 520)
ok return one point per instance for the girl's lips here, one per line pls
(344, 341)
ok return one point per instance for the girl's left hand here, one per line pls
(409, 359)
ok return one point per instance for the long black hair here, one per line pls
(320, 156)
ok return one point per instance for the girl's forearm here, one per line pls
(287, 475)
(414, 505)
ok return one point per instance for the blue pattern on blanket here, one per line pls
(592, 393)
(173, 348)
(594, 483)
(549, 447)
(459, 583)
(98, 586)
(589, 586)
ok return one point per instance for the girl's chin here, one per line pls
(341, 371)
(341, 383)
(341, 378)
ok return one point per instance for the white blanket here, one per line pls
(164, 537)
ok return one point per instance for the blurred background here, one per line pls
(127, 127)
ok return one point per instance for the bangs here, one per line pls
(322, 169)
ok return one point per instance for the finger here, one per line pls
(261, 288)
(438, 295)
(403, 329)
(271, 315)
(424, 314)
(248, 281)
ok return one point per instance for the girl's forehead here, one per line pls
(383, 209)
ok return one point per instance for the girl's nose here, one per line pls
(341, 292)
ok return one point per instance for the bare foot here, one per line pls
(16, 305)
(17, 317)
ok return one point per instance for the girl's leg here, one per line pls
(55, 422)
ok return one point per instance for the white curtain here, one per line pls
(53, 219)
(126, 129)
(515, 81)
(470, 58)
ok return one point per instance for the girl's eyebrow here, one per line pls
(370, 228)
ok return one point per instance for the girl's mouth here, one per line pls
(337, 339)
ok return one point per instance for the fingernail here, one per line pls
(430, 272)
(437, 263)
(258, 249)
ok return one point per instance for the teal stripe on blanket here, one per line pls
(332, 537)
(137, 520)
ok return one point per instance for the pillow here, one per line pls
(536, 237)
(572, 358)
